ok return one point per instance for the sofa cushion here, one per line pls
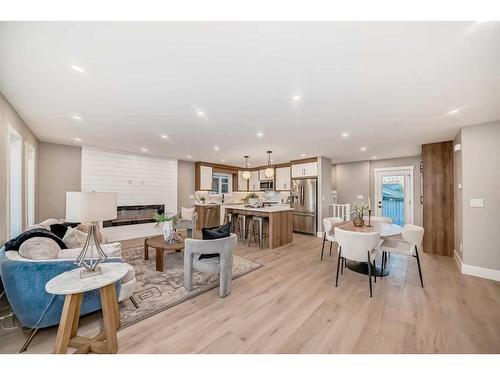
(59, 230)
(39, 248)
(74, 238)
(15, 243)
(187, 213)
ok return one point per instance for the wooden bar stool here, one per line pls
(241, 227)
(259, 222)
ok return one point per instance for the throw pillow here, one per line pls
(187, 213)
(15, 243)
(39, 248)
(212, 234)
(59, 230)
(74, 238)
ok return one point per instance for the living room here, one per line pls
(177, 188)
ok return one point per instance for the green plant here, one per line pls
(252, 196)
(359, 209)
(161, 218)
(203, 199)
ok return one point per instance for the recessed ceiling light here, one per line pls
(223, 160)
(200, 113)
(374, 157)
(77, 139)
(164, 136)
(76, 117)
(216, 148)
(189, 156)
(302, 155)
(363, 148)
(77, 68)
(345, 135)
(260, 134)
(296, 98)
(453, 112)
(144, 149)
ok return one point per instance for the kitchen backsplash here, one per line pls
(236, 197)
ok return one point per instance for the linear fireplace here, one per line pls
(128, 215)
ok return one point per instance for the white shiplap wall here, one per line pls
(136, 179)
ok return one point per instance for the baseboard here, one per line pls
(485, 273)
(458, 260)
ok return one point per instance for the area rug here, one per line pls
(158, 291)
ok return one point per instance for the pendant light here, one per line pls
(246, 174)
(269, 172)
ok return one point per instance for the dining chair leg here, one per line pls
(382, 265)
(419, 269)
(374, 271)
(331, 243)
(342, 261)
(338, 264)
(370, 273)
(323, 246)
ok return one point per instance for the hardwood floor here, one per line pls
(291, 305)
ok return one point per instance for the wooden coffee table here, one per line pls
(160, 245)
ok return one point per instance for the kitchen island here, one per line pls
(278, 228)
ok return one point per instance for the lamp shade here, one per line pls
(88, 207)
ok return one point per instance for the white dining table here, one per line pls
(386, 230)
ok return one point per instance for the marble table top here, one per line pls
(269, 209)
(384, 229)
(70, 282)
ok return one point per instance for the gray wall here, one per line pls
(458, 197)
(60, 171)
(9, 116)
(185, 184)
(481, 179)
(324, 189)
(352, 179)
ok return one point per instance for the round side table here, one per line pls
(72, 286)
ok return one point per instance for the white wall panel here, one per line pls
(136, 179)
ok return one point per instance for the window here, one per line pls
(30, 184)
(222, 184)
(14, 182)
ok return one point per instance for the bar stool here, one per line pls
(228, 218)
(241, 227)
(259, 220)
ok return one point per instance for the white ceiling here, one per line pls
(389, 85)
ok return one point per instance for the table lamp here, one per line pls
(90, 208)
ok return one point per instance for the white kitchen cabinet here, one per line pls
(305, 170)
(205, 178)
(242, 183)
(262, 175)
(254, 181)
(282, 178)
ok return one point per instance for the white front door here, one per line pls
(394, 194)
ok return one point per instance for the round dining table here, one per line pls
(386, 230)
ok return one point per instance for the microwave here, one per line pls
(267, 185)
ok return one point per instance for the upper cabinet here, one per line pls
(242, 183)
(262, 175)
(202, 177)
(254, 181)
(305, 170)
(282, 178)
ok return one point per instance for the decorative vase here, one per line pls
(253, 201)
(358, 222)
(168, 229)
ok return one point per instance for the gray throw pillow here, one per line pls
(39, 248)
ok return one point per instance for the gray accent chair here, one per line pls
(223, 264)
(190, 225)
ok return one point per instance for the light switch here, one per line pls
(477, 202)
(360, 197)
(459, 186)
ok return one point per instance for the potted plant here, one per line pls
(203, 199)
(168, 224)
(252, 198)
(359, 209)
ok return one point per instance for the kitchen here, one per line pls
(292, 187)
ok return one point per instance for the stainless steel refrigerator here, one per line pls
(305, 205)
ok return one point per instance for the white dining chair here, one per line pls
(412, 236)
(358, 247)
(328, 235)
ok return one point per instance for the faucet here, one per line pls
(222, 197)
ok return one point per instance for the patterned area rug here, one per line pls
(158, 291)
